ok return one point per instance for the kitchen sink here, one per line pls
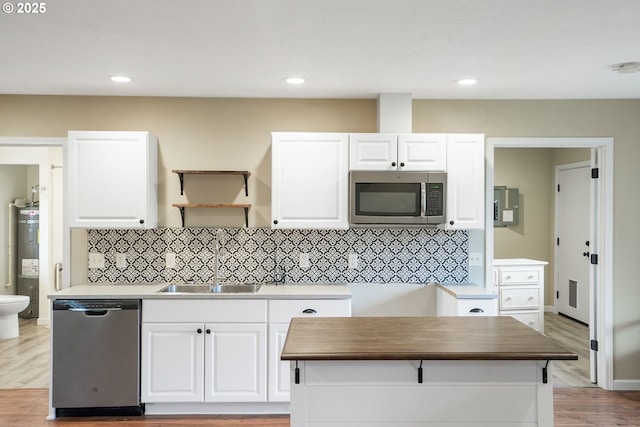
(236, 288)
(191, 289)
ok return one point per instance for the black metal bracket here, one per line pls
(420, 373)
(246, 216)
(545, 378)
(181, 213)
(181, 177)
(297, 374)
(246, 185)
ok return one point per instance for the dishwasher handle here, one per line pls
(95, 312)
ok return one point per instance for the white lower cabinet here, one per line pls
(172, 362)
(521, 286)
(208, 361)
(280, 314)
(221, 351)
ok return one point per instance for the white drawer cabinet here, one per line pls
(280, 314)
(449, 305)
(520, 283)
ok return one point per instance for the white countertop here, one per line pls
(468, 291)
(152, 290)
(517, 261)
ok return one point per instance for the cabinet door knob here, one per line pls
(401, 164)
(142, 221)
(309, 311)
(393, 163)
(199, 330)
(275, 221)
(208, 331)
(451, 222)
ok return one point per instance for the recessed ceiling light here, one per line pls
(467, 82)
(295, 80)
(120, 79)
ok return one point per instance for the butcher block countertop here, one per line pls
(418, 338)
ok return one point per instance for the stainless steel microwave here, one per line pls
(397, 198)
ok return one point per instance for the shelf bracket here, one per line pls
(545, 378)
(182, 214)
(246, 217)
(420, 373)
(246, 185)
(181, 177)
(297, 374)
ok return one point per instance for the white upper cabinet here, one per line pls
(111, 180)
(309, 184)
(404, 152)
(465, 182)
(422, 152)
(373, 151)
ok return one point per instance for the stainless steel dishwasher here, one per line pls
(96, 357)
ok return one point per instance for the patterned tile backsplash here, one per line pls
(385, 255)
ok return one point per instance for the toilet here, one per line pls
(10, 306)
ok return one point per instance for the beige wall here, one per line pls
(532, 171)
(234, 134)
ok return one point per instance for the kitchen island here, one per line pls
(420, 371)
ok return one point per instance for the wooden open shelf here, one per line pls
(183, 206)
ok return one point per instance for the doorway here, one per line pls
(46, 156)
(601, 238)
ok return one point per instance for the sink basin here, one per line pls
(236, 288)
(191, 289)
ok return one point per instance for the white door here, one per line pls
(279, 376)
(465, 182)
(172, 365)
(111, 180)
(373, 151)
(572, 233)
(422, 152)
(235, 364)
(310, 180)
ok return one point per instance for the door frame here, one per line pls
(601, 157)
(42, 160)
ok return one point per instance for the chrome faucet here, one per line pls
(217, 253)
(279, 272)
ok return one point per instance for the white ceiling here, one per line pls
(517, 49)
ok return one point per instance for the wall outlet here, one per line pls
(121, 260)
(170, 260)
(303, 260)
(96, 260)
(353, 260)
(475, 259)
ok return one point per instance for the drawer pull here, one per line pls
(309, 311)
(476, 310)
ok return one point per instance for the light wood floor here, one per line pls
(575, 337)
(573, 407)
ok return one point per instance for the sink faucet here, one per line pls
(279, 272)
(217, 253)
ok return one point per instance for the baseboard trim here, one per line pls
(626, 384)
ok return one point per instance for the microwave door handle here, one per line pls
(423, 199)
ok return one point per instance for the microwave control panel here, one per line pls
(435, 199)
